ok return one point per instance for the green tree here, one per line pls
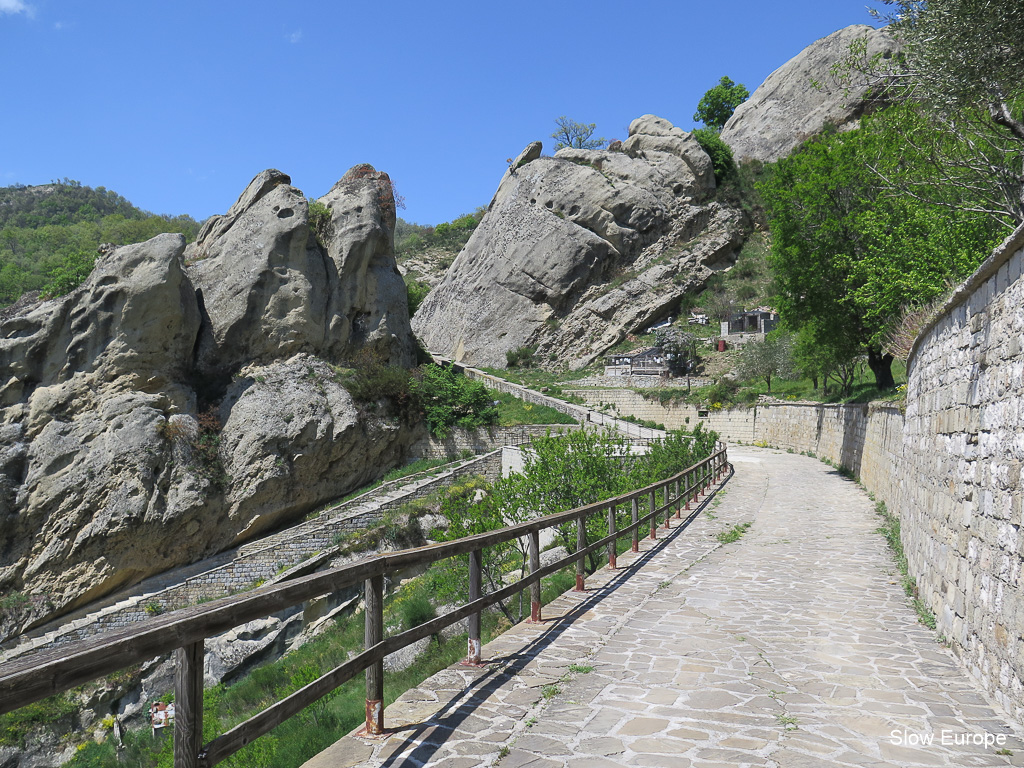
(451, 400)
(769, 358)
(847, 256)
(573, 135)
(959, 76)
(717, 105)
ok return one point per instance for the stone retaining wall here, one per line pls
(963, 448)
(483, 440)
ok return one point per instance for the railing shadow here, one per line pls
(501, 669)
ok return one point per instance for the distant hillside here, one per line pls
(56, 228)
(424, 253)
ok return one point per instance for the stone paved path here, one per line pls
(794, 646)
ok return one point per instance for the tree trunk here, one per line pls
(880, 364)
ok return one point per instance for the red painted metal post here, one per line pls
(611, 532)
(374, 633)
(634, 517)
(581, 544)
(473, 622)
(654, 518)
(535, 615)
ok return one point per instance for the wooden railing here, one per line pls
(23, 681)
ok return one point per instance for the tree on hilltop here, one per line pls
(717, 105)
(573, 135)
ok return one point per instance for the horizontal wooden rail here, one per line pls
(32, 678)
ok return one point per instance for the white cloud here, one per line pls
(294, 37)
(13, 6)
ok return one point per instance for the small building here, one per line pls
(761, 321)
(638, 362)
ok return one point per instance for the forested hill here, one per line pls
(50, 233)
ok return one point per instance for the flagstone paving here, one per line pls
(794, 646)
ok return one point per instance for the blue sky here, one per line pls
(177, 105)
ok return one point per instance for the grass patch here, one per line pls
(513, 412)
(733, 534)
(890, 529)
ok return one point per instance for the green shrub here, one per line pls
(451, 400)
(371, 380)
(416, 610)
(416, 292)
(719, 152)
(319, 221)
(521, 357)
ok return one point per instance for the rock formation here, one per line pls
(799, 99)
(160, 413)
(577, 250)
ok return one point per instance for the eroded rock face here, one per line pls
(270, 289)
(261, 278)
(565, 232)
(149, 421)
(368, 305)
(788, 108)
(292, 437)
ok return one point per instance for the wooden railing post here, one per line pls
(668, 504)
(535, 615)
(473, 622)
(633, 518)
(611, 532)
(679, 503)
(374, 609)
(581, 560)
(654, 518)
(188, 705)
(689, 488)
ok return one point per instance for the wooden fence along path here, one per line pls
(23, 681)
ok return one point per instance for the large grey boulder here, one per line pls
(799, 99)
(148, 421)
(261, 278)
(367, 301)
(270, 289)
(136, 316)
(564, 231)
(85, 494)
(293, 437)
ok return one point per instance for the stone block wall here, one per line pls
(734, 424)
(631, 403)
(962, 504)
(482, 440)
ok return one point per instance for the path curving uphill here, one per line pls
(793, 646)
